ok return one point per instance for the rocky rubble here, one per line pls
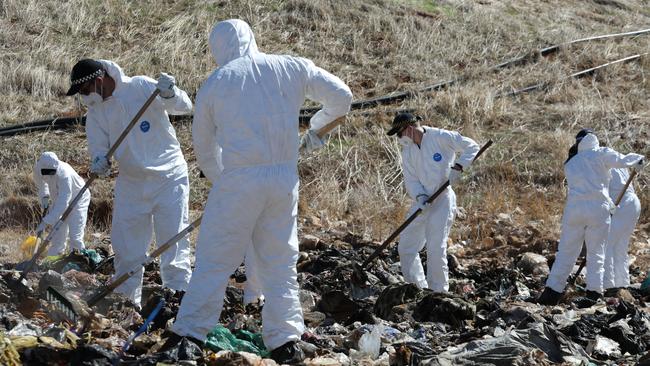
(487, 318)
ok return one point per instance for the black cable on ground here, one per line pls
(306, 113)
(556, 48)
(577, 75)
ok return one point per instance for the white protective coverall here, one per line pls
(250, 106)
(425, 169)
(152, 189)
(252, 287)
(62, 188)
(617, 261)
(586, 216)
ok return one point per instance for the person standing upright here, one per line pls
(249, 106)
(152, 188)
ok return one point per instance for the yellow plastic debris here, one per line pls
(8, 354)
(22, 342)
(27, 247)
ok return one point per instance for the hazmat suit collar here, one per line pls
(589, 142)
(231, 39)
(48, 160)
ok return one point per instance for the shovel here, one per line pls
(573, 279)
(66, 213)
(65, 305)
(359, 276)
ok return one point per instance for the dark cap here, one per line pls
(584, 132)
(83, 71)
(401, 121)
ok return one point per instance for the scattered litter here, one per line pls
(487, 317)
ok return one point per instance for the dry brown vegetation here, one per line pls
(377, 47)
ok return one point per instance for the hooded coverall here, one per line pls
(152, 189)
(249, 106)
(426, 168)
(617, 260)
(586, 216)
(62, 187)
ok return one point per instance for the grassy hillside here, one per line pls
(377, 47)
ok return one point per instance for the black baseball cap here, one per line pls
(584, 132)
(401, 121)
(84, 70)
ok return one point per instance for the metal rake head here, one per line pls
(61, 303)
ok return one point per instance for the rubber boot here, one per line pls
(288, 353)
(549, 297)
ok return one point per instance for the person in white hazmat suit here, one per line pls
(624, 219)
(429, 158)
(59, 182)
(586, 216)
(152, 188)
(249, 106)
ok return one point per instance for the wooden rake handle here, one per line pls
(415, 214)
(330, 126)
(125, 276)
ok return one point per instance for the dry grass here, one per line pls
(377, 47)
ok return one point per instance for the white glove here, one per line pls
(638, 167)
(41, 227)
(100, 166)
(310, 141)
(166, 84)
(612, 210)
(422, 201)
(454, 176)
(45, 203)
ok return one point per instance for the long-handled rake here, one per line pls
(359, 276)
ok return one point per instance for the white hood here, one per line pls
(48, 160)
(115, 72)
(231, 39)
(589, 142)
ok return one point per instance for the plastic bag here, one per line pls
(220, 339)
(27, 247)
(370, 343)
(92, 255)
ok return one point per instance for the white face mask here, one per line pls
(91, 99)
(404, 140)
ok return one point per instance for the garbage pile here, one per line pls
(488, 317)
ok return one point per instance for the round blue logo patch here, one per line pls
(144, 126)
(437, 157)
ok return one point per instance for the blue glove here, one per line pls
(45, 203)
(422, 201)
